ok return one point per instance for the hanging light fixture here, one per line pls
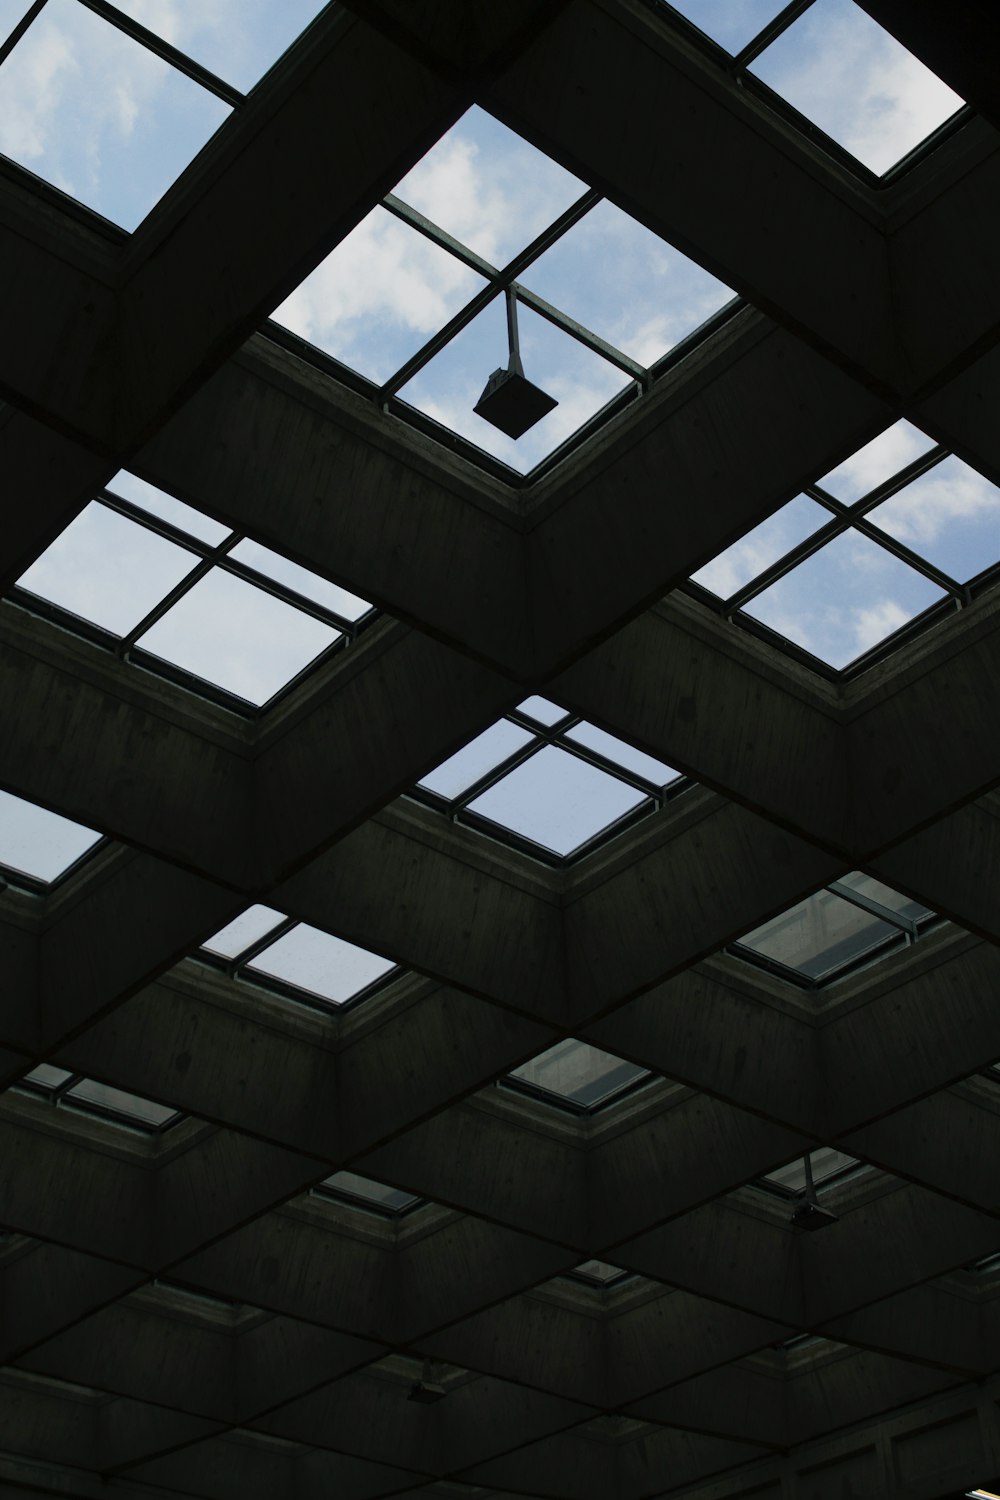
(427, 1390)
(808, 1214)
(510, 401)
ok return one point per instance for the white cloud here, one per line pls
(873, 623)
(877, 461)
(949, 493)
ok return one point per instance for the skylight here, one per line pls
(263, 944)
(40, 844)
(551, 781)
(841, 70)
(897, 528)
(828, 933)
(373, 1195)
(826, 1163)
(731, 23)
(171, 587)
(100, 1098)
(412, 297)
(239, 40)
(598, 1273)
(115, 148)
(576, 1074)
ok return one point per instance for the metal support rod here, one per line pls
(514, 363)
(810, 1187)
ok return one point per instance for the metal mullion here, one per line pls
(10, 42)
(498, 283)
(874, 908)
(612, 768)
(440, 237)
(157, 524)
(806, 548)
(582, 335)
(893, 484)
(912, 559)
(204, 567)
(286, 594)
(166, 51)
(246, 955)
(490, 778)
(771, 32)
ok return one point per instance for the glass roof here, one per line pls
(896, 528)
(100, 1098)
(40, 844)
(826, 1164)
(829, 933)
(552, 781)
(576, 1074)
(484, 210)
(263, 944)
(176, 590)
(599, 1272)
(856, 82)
(374, 1195)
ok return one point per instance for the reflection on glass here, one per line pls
(39, 843)
(117, 1101)
(107, 569)
(579, 1073)
(876, 890)
(856, 82)
(818, 935)
(372, 1194)
(242, 639)
(557, 800)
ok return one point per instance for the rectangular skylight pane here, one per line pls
(238, 637)
(626, 284)
(308, 584)
(37, 842)
(108, 569)
(895, 448)
(115, 148)
(237, 40)
(731, 23)
(825, 1163)
(845, 599)
(875, 890)
(842, 71)
(579, 1073)
(746, 559)
(488, 188)
(321, 964)
(557, 800)
(622, 753)
(376, 1194)
(542, 711)
(818, 936)
(130, 487)
(378, 296)
(479, 756)
(132, 1106)
(11, 12)
(243, 931)
(45, 1076)
(950, 516)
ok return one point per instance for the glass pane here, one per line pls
(129, 487)
(102, 1096)
(625, 284)
(950, 516)
(37, 842)
(819, 935)
(11, 12)
(542, 711)
(239, 934)
(308, 584)
(117, 149)
(45, 1076)
(844, 599)
(238, 637)
(746, 559)
(376, 1194)
(622, 753)
(731, 23)
(449, 387)
(825, 1163)
(599, 1271)
(876, 462)
(320, 963)
(487, 187)
(855, 81)
(557, 800)
(874, 890)
(237, 40)
(379, 296)
(108, 569)
(480, 755)
(579, 1073)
